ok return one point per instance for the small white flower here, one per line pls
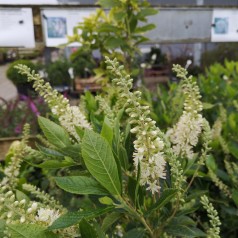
(47, 215)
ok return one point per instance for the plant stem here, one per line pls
(138, 216)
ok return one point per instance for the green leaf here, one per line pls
(80, 185)
(79, 131)
(99, 160)
(29, 231)
(107, 131)
(114, 42)
(55, 134)
(106, 201)
(49, 152)
(109, 3)
(20, 196)
(135, 233)
(210, 163)
(165, 198)
(73, 151)
(109, 220)
(2, 227)
(233, 147)
(184, 231)
(235, 196)
(145, 28)
(123, 158)
(108, 28)
(72, 218)
(146, 12)
(206, 105)
(54, 164)
(87, 230)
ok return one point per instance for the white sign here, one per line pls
(58, 24)
(16, 27)
(224, 25)
(31, 2)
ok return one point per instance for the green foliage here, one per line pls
(83, 63)
(57, 73)
(99, 160)
(116, 33)
(13, 74)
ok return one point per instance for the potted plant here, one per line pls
(58, 75)
(83, 65)
(23, 87)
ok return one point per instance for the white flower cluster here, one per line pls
(185, 134)
(148, 145)
(69, 116)
(46, 215)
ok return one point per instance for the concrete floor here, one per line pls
(7, 89)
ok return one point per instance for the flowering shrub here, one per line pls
(219, 91)
(134, 177)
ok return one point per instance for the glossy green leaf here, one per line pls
(80, 185)
(72, 218)
(55, 134)
(99, 160)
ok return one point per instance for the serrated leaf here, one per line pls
(72, 218)
(99, 160)
(185, 231)
(29, 231)
(165, 197)
(87, 230)
(107, 130)
(80, 185)
(54, 133)
(135, 233)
